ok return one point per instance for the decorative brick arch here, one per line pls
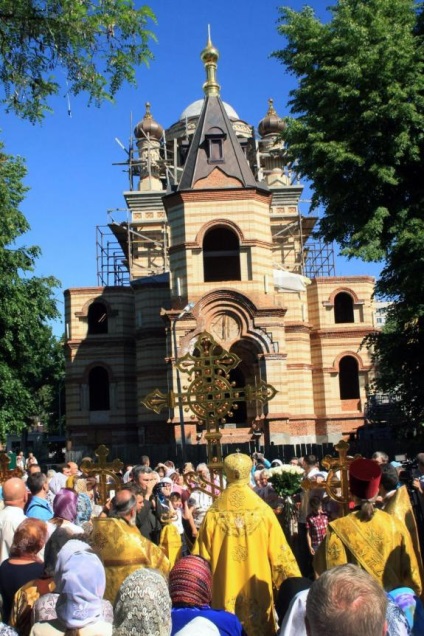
(243, 317)
(83, 312)
(216, 223)
(344, 290)
(93, 365)
(351, 354)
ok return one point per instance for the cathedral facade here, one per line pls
(215, 241)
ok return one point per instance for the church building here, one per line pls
(214, 241)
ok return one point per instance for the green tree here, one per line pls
(96, 43)
(31, 361)
(358, 136)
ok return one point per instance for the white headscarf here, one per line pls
(199, 625)
(80, 582)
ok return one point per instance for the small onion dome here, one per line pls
(271, 123)
(148, 126)
(210, 53)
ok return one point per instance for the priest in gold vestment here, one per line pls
(247, 551)
(121, 547)
(370, 538)
(396, 502)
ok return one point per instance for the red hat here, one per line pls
(364, 478)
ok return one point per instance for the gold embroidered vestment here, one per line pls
(249, 557)
(381, 546)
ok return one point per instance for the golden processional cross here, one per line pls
(337, 483)
(106, 472)
(210, 395)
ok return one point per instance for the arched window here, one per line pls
(98, 386)
(348, 378)
(221, 255)
(343, 308)
(97, 318)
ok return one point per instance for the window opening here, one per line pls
(97, 318)
(221, 255)
(349, 378)
(343, 308)
(98, 382)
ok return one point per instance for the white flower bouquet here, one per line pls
(286, 479)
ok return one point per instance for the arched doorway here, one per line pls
(246, 372)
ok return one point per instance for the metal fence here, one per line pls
(131, 455)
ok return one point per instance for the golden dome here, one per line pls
(148, 127)
(237, 468)
(271, 124)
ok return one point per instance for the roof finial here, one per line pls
(209, 57)
(148, 114)
(271, 109)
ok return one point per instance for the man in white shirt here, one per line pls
(15, 497)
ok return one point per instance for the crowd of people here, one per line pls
(186, 552)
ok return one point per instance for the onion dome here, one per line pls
(271, 124)
(148, 127)
(209, 57)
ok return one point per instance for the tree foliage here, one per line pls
(358, 136)
(31, 360)
(95, 43)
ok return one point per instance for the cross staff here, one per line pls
(210, 396)
(103, 470)
(336, 487)
(5, 472)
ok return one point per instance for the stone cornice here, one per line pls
(193, 245)
(100, 339)
(297, 327)
(227, 194)
(344, 332)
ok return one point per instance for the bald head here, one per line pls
(123, 506)
(73, 468)
(15, 493)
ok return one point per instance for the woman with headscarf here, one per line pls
(143, 605)
(23, 564)
(27, 595)
(80, 583)
(190, 587)
(65, 510)
(84, 503)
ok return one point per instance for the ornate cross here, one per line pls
(210, 395)
(107, 472)
(337, 483)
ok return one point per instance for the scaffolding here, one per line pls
(112, 266)
(138, 246)
(319, 259)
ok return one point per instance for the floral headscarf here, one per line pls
(143, 605)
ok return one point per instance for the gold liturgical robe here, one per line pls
(123, 550)
(380, 546)
(170, 543)
(249, 556)
(400, 506)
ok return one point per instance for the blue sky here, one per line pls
(72, 179)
